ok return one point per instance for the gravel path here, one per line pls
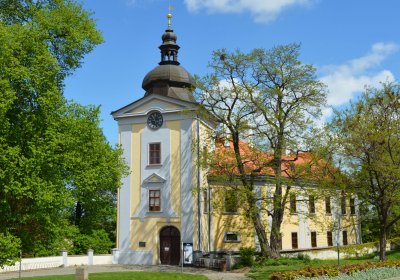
(212, 275)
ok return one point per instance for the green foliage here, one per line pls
(368, 142)
(263, 262)
(98, 241)
(10, 247)
(271, 99)
(369, 230)
(357, 250)
(304, 257)
(53, 154)
(246, 256)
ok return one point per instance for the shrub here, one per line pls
(305, 258)
(246, 256)
(368, 274)
(10, 247)
(98, 241)
(333, 270)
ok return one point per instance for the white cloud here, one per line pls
(262, 10)
(346, 80)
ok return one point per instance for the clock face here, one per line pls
(155, 120)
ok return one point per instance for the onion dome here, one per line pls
(169, 78)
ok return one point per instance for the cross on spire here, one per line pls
(169, 16)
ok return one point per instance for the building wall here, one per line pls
(177, 178)
(223, 223)
(174, 177)
(205, 147)
(301, 222)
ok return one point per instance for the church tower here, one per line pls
(158, 203)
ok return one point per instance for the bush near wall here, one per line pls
(98, 241)
(363, 249)
(332, 270)
(10, 246)
(247, 256)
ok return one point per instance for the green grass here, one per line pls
(128, 276)
(264, 270)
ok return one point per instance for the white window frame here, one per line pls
(232, 241)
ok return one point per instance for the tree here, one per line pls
(57, 169)
(368, 134)
(288, 98)
(271, 97)
(9, 249)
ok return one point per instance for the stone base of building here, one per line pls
(132, 257)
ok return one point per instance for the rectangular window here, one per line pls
(231, 237)
(329, 238)
(231, 202)
(155, 153)
(295, 244)
(311, 204)
(293, 203)
(352, 206)
(154, 201)
(328, 205)
(205, 201)
(345, 237)
(313, 239)
(343, 204)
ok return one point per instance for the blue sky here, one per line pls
(352, 43)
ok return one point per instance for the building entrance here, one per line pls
(170, 246)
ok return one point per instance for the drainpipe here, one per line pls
(339, 227)
(198, 186)
(209, 216)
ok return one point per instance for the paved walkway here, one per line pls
(212, 275)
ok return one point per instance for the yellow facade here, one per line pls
(135, 165)
(216, 225)
(148, 229)
(175, 165)
(300, 222)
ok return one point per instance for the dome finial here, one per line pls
(169, 16)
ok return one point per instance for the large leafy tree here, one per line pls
(58, 173)
(369, 143)
(271, 97)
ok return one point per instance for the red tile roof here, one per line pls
(304, 164)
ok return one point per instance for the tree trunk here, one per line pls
(253, 209)
(278, 203)
(78, 213)
(382, 244)
(262, 236)
(276, 237)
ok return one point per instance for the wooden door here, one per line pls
(170, 249)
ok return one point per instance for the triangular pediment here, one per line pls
(154, 178)
(153, 102)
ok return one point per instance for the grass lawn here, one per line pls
(266, 269)
(128, 276)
